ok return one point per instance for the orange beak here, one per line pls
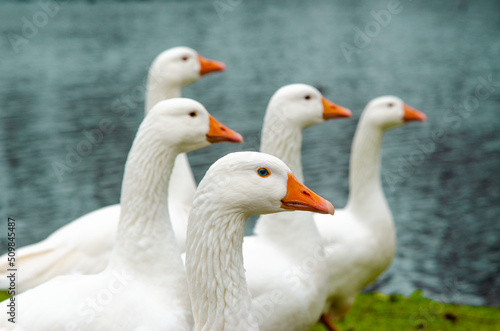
(299, 197)
(218, 133)
(411, 114)
(208, 66)
(332, 111)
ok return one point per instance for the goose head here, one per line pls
(187, 125)
(181, 66)
(303, 105)
(388, 112)
(254, 183)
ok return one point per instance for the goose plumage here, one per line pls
(236, 187)
(144, 284)
(283, 259)
(77, 248)
(360, 242)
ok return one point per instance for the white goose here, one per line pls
(144, 285)
(360, 242)
(285, 275)
(77, 247)
(236, 187)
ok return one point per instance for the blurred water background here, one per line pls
(441, 178)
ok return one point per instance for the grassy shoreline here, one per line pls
(381, 312)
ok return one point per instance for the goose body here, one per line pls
(283, 261)
(77, 248)
(360, 242)
(143, 287)
(236, 187)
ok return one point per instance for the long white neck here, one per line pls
(365, 188)
(159, 89)
(145, 243)
(214, 267)
(284, 141)
(182, 184)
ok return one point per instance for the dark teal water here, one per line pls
(444, 192)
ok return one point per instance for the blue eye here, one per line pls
(263, 172)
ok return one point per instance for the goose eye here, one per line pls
(185, 58)
(263, 172)
(390, 104)
(193, 113)
(307, 97)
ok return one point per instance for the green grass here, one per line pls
(3, 295)
(380, 312)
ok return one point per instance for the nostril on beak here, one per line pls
(223, 129)
(306, 193)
